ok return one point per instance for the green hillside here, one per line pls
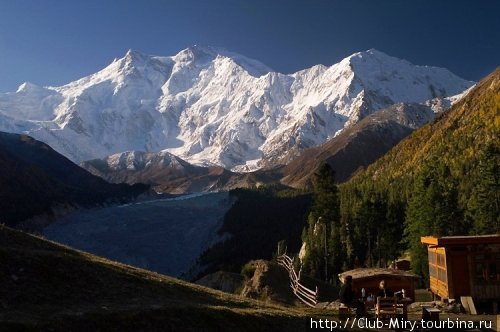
(50, 287)
(443, 179)
(457, 137)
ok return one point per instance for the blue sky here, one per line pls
(52, 42)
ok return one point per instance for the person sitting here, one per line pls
(346, 294)
(383, 291)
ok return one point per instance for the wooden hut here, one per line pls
(464, 266)
(402, 264)
(369, 279)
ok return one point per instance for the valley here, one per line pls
(165, 235)
(158, 170)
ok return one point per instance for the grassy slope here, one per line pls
(47, 286)
(455, 137)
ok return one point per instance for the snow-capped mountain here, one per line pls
(210, 106)
(359, 145)
(162, 170)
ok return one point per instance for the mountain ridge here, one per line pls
(445, 124)
(354, 148)
(164, 171)
(212, 107)
(359, 145)
(33, 172)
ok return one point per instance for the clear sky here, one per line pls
(52, 42)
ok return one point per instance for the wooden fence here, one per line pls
(304, 294)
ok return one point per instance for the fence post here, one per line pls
(304, 294)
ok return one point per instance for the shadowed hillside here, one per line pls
(46, 286)
(35, 180)
(256, 222)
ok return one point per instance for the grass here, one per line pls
(48, 286)
(45, 286)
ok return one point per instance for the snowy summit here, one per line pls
(210, 106)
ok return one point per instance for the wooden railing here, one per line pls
(304, 294)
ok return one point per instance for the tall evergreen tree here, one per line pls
(432, 210)
(324, 256)
(484, 203)
(392, 229)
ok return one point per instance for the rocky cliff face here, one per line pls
(268, 282)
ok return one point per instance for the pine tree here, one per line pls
(432, 210)
(324, 229)
(392, 230)
(419, 220)
(484, 204)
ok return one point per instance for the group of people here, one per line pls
(347, 295)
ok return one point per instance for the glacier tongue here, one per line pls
(211, 106)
